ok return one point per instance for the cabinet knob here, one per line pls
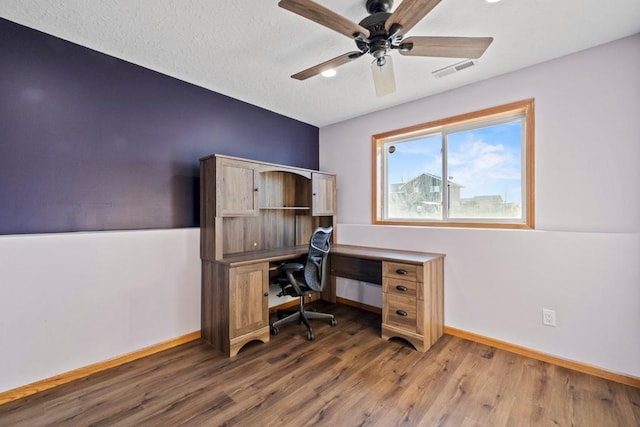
(266, 294)
(255, 189)
(402, 272)
(401, 288)
(402, 313)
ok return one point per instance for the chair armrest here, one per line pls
(292, 267)
(289, 269)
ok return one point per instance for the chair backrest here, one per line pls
(315, 268)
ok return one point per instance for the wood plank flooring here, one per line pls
(348, 376)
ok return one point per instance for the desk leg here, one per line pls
(329, 291)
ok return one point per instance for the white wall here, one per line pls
(583, 259)
(74, 299)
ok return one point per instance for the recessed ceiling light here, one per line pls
(493, 1)
(329, 73)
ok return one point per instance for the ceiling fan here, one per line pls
(380, 33)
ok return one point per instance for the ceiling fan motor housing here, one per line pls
(380, 41)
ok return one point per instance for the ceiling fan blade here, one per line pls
(323, 16)
(449, 47)
(409, 13)
(383, 77)
(332, 63)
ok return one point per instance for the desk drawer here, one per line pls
(401, 287)
(399, 311)
(400, 271)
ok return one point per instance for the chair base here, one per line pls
(302, 316)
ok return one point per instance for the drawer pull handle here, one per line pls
(401, 288)
(402, 272)
(266, 294)
(402, 313)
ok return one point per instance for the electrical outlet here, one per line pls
(548, 317)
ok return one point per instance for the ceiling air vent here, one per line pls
(454, 68)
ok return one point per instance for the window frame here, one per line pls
(488, 115)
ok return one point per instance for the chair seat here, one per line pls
(290, 290)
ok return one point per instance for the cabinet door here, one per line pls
(236, 185)
(323, 194)
(248, 298)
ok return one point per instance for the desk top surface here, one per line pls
(381, 254)
(384, 254)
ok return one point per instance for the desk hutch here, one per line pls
(256, 214)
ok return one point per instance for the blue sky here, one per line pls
(485, 161)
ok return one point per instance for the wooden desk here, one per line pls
(412, 289)
(235, 293)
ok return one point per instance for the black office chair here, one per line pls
(304, 280)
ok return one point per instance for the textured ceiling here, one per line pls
(247, 49)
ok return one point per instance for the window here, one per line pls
(486, 157)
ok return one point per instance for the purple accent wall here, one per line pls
(91, 142)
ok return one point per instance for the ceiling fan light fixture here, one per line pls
(383, 77)
(329, 73)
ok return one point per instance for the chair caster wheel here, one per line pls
(274, 330)
(310, 336)
(334, 322)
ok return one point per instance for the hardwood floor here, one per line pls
(348, 376)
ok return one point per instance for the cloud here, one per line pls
(484, 168)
